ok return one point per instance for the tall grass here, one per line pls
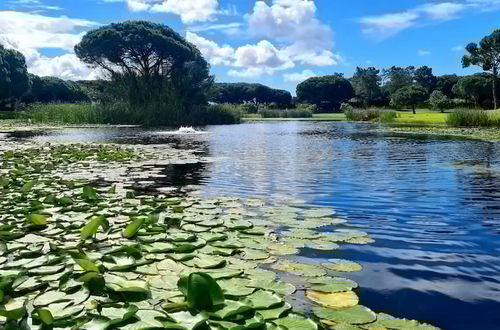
(122, 114)
(353, 114)
(293, 113)
(473, 118)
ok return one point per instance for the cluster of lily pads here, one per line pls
(74, 255)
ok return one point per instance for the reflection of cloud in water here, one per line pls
(384, 277)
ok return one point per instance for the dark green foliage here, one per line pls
(438, 100)
(396, 78)
(54, 90)
(245, 92)
(327, 91)
(475, 88)
(366, 84)
(14, 80)
(409, 96)
(425, 78)
(445, 84)
(152, 67)
(487, 56)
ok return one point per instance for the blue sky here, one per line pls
(275, 42)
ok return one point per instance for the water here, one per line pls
(432, 205)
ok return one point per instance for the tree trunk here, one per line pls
(495, 91)
(414, 112)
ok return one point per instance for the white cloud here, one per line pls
(27, 32)
(297, 77)
(458, 48)
(388, 25)
(216, 55)
(190, 11)
(423, 52)
(294, 22)
(443, 11)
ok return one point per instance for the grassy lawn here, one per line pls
(403, 117)
(422, 118)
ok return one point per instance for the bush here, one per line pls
(387, 116)
(368, 114)
(294, 113)
(473, 118)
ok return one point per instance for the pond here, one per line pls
(431, 204)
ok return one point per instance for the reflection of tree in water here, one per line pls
(177, 178)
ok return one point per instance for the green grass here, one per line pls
(422, 118)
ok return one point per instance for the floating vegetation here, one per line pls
(77, 255)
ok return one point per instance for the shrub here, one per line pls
(368, 114)
(387, 116)
(478, 118)
(293, 113)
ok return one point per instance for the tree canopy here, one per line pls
(410, 95)
(366, 84)
(53, 89)
(397, 77)
(14, 80)
(475, 88)
(152, 66)
(438, 100)
(325, 91)
(424, 77)
(245, 92)
(445, 84)
(487, 56)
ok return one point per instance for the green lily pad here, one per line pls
(339, 265)
(353, 315)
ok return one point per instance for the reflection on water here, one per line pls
(433, 206)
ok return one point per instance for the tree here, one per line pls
(445, 84)
(245, 92)
(366, 84)
(53, 89)
(424, 77)
(410, 95)
(438, 100)
(14, 80)
(487, 56)
(476, 88)
(326, 91)
(153, 65)
(397, 77)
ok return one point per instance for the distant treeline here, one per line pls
(166, 80)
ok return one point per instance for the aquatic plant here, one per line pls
(75, 254)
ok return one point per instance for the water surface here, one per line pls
(431, 204)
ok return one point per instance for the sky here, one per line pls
(275, 42)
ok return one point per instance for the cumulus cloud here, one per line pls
(388, 25)
(297, 77)
(190, 11)
(294, 22)
(289, 33)
(28, 32)
(216, 55)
